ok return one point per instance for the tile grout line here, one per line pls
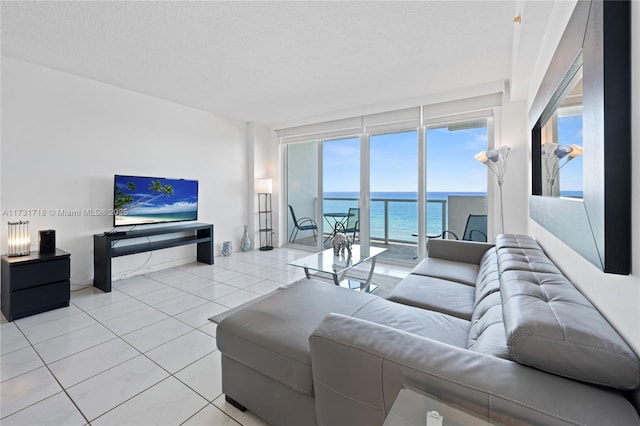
(54, 378)
(139, 352)
(162, 380)
(153, 361)
(205, 407)
(115, 336)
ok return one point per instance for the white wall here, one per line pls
(266, 164)
(516, 180)
(617, 297)
(64, 137)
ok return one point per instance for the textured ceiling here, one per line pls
(269, 61)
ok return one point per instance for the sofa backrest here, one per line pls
(551, 326)
(526, 310)
(486, 334)
(522, 253)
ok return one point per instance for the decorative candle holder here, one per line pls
(19, 239)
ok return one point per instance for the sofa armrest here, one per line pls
(457, 251)
(359, 367)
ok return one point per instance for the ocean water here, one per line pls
(144, 218)
(402, 211)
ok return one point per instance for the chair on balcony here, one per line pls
(353, 222)
(474, 230)
(302, 224)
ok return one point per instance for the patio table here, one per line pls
(335, 221)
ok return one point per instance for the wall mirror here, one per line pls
(581, 137)
(562, 143)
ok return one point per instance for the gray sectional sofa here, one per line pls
(497, 329)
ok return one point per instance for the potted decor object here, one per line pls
(245, 243)
(226, 248)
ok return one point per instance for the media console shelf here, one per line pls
(105, 247)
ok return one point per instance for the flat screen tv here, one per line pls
(139, 200)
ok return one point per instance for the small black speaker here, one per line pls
(48, 241)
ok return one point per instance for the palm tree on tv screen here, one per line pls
(126, 201)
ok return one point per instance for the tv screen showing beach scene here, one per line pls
(141, 200)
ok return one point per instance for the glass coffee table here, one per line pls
(414, 407)
(337, 266)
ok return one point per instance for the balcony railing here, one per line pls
(395, 219)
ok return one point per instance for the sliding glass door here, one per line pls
(302, 193)
(393, 186)
(340, 187)
(456, 182)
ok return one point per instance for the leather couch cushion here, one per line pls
(460, 272)
(516, 241)
(433, 325)
(550, 325)
(435, 294)
(522, 252)
(486, 334)
(272, 335)
(525, 260)
(488, 280)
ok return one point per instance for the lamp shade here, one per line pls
(496, 162)
(481, 156)
(264, 186)
(576, 151)
(19, 238)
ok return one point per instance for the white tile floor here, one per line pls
(143, 354)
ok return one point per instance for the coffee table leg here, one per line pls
(336, 280)
(373, 267)
(306, 273)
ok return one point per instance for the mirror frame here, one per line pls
(599, 226)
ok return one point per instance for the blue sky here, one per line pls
(394, 166)
(451, 166)
(569, 133)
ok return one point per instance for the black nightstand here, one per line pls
(35, 283)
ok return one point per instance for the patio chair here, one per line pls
(302, 224)
(474, 230)
(353, 222)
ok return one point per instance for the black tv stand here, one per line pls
(104, 247)
(115, 233)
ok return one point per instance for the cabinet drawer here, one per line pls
(34, 274)
(39, 299)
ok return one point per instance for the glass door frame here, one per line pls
(492, 115)
(365, 186)
(363, 233)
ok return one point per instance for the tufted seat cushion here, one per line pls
(517, 241)
(486, 334)
(550, 325)
(488, 280)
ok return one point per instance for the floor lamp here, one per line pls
(552, 155)
(496, 161)
(264, 188)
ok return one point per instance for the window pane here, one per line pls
(394, 194)
(341, 185)
(456, 182)
(302, 184)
